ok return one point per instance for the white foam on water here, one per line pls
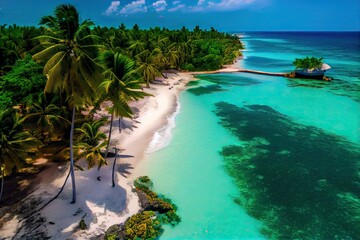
(163, 136)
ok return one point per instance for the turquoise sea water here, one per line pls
(259, 157)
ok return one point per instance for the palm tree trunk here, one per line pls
(113, 169)
(2, 183)
(108, 143)
(72, 173)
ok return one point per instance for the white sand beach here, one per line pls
(98, 203)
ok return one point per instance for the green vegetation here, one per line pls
(308, 63)
(16, 144)
(90, 142)
(15, 43)
(20, 84)
(53, 78)
(157, 210)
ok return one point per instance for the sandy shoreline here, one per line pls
(98, 203)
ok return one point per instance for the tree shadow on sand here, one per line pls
(125, 169)
(96, 200)
(125, 124)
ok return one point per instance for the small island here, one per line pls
(311, 68)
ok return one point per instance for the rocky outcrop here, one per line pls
(146, 224)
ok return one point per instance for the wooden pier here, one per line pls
(263, 73)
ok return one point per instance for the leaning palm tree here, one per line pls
(68, 55)
(121, 85)
(16, 144)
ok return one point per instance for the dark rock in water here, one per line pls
(314, 77)
(114, 232)
(151, 202)
(144, 201)
(143, 225)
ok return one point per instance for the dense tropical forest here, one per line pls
(51, 75)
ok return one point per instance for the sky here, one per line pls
(224, 15)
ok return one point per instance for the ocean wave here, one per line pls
(163, 136)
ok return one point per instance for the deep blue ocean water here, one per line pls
(260, 157)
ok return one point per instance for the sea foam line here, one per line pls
(163, 136)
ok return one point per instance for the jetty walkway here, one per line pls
(263, 73)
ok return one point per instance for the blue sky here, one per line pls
(225, 15)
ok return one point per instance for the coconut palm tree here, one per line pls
(308, 63)
(168, 55)
(47, 116)
(121, 85)
(136, 47)
(186, 51)
(16, 144)
(69, 65)
(90, 143)
(147, 66)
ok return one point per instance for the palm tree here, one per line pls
(47, 117)
(15, 144)
(147, 67)
(186, 51)
(308, 63)
(136, 47)
(121, 85)
(113, 167)
(70, 68)
(168, 53)
(90, 143)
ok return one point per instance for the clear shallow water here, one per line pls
(191, 172)
(266, 157)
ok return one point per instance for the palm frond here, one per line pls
(54, 61)
(47, 53)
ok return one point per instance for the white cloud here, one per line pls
(134, 7)
(139, 6)
(112, 8)
(220, 6)
(178, 7)
(160, 5)
(225, 5)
